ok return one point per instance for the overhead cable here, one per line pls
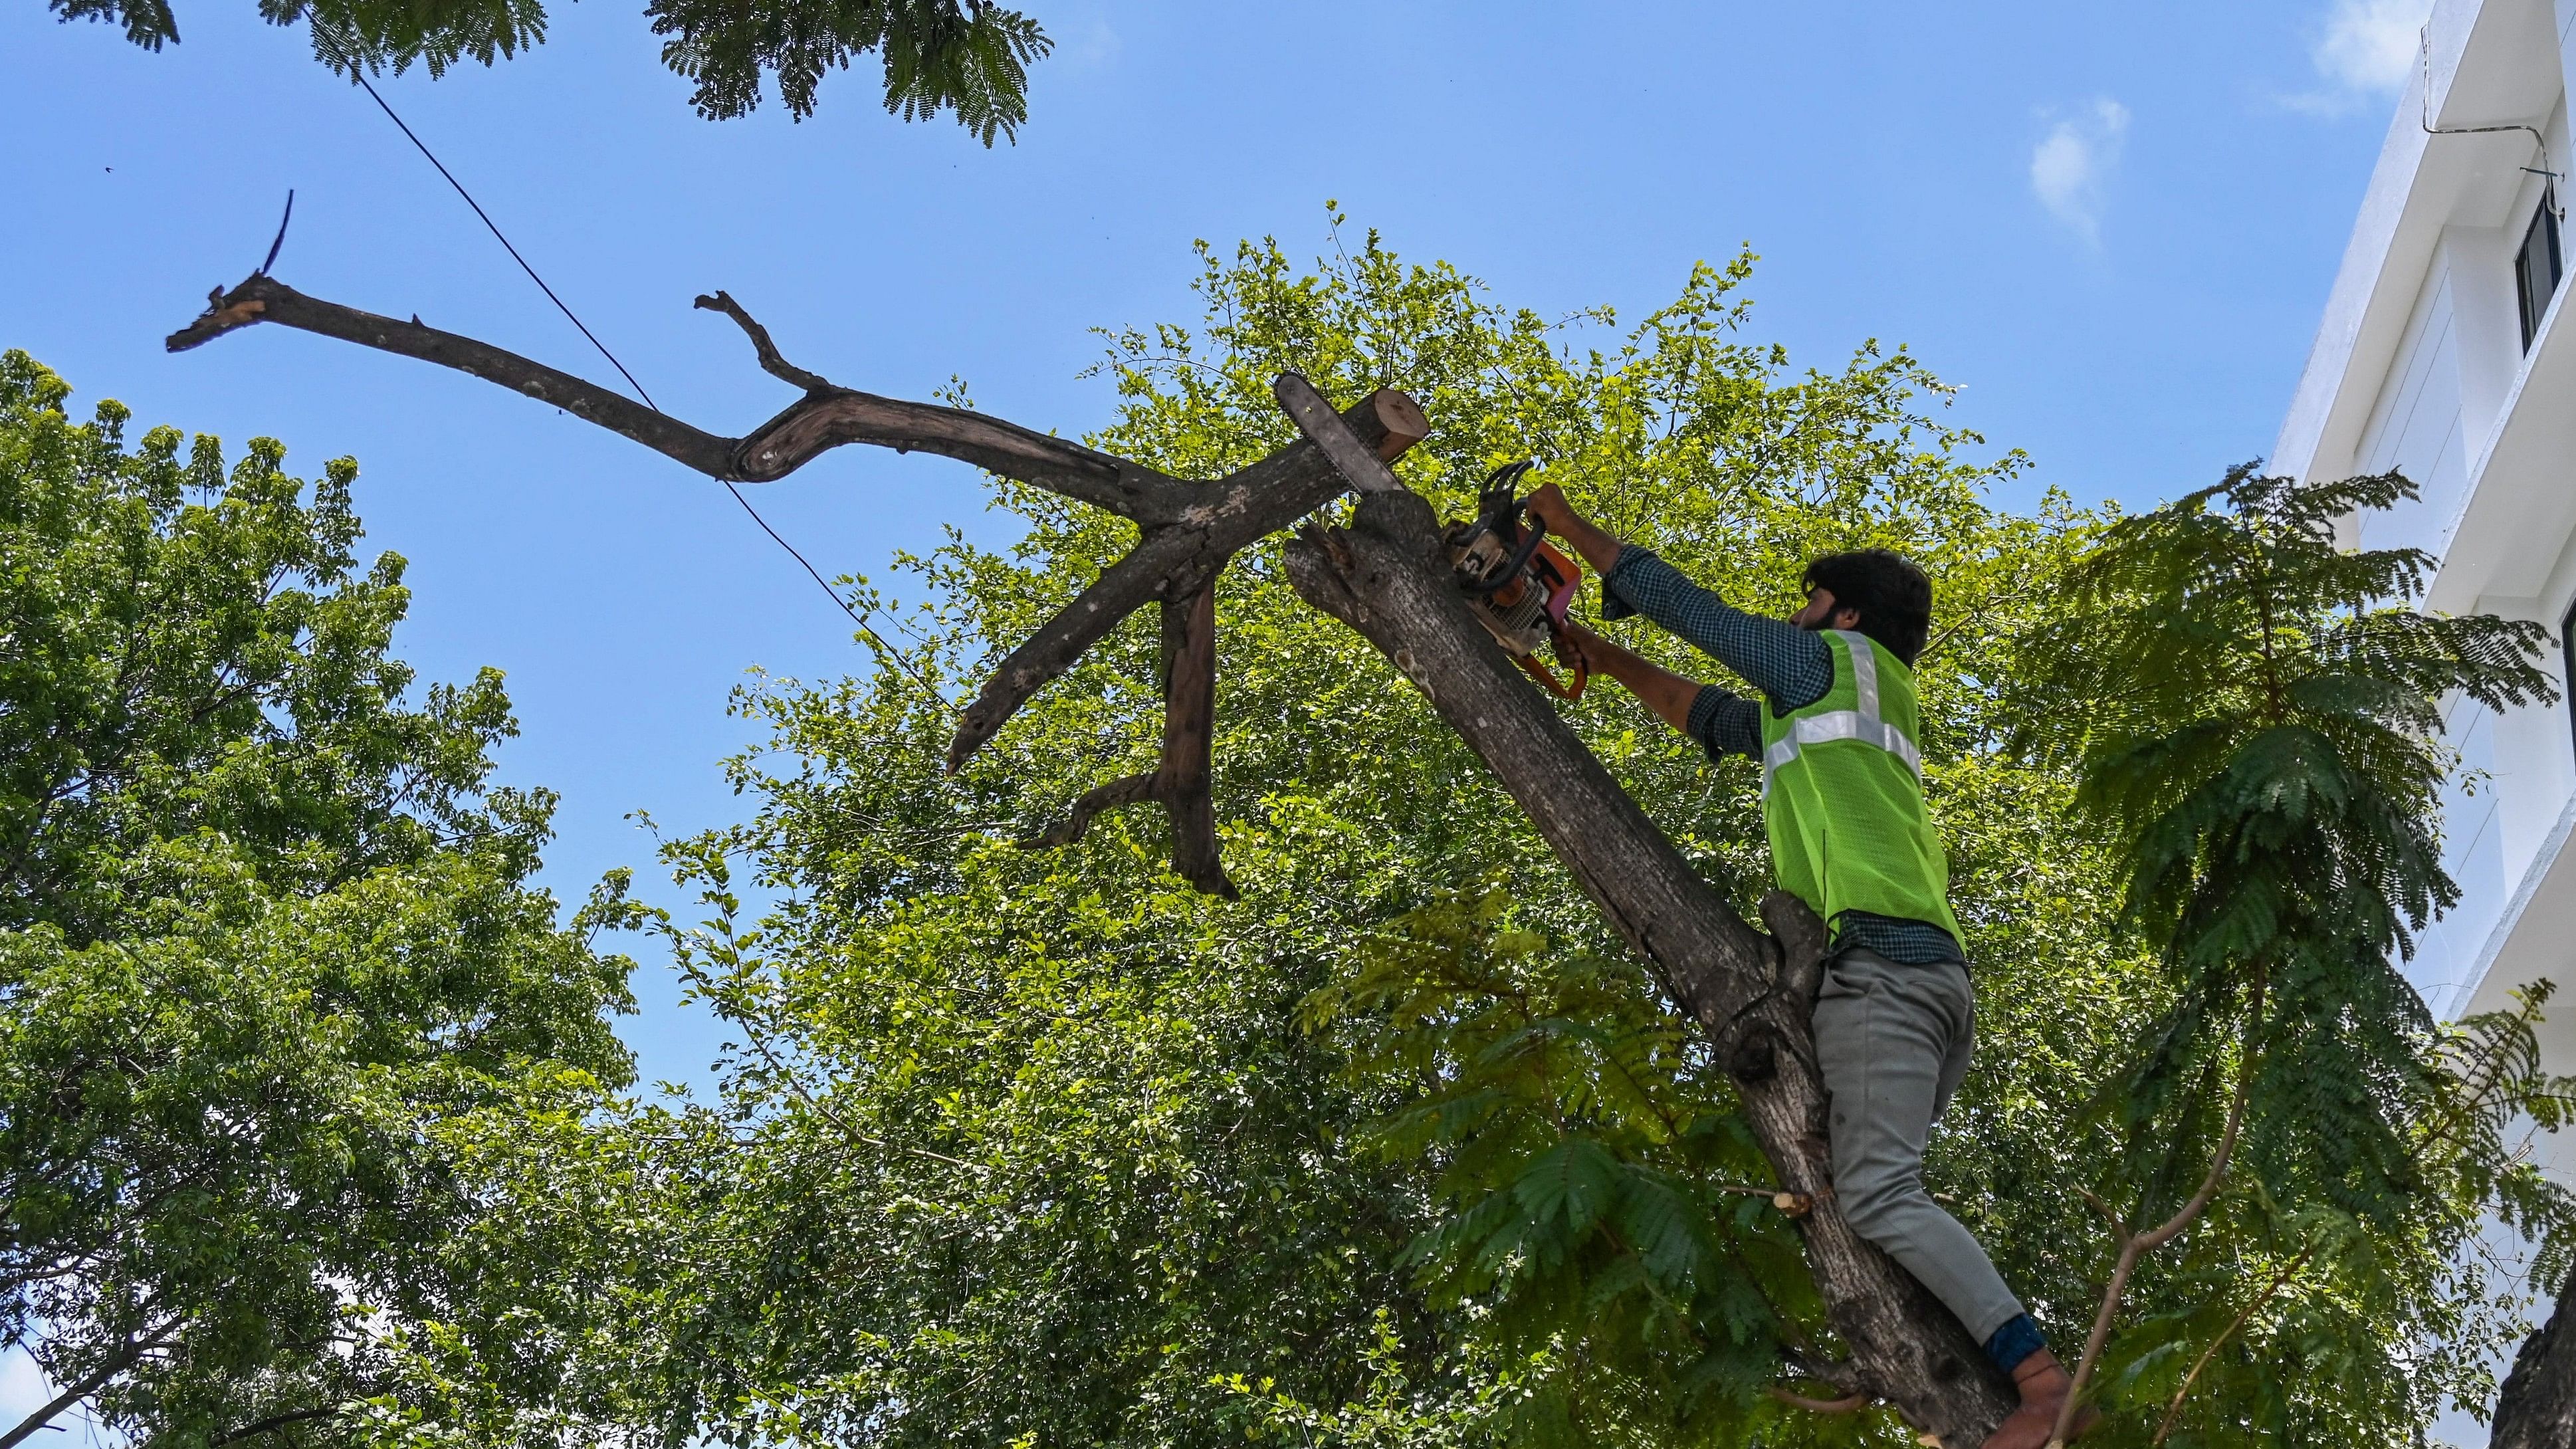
(358, 74)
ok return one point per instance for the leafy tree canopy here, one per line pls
(968, 57)
(270, 964)
(2252, 715)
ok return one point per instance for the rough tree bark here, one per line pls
(1385, 575)
(2536, 1408)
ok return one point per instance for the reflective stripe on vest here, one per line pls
(1861, 724)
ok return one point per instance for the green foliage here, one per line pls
(1603, 1189)
(266, 942)
(965, 56)
(938, 55)
(2274, 774)
(2252, 715)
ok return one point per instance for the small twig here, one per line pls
(1850, 1405)
(1795, 1204)
(1128, 790)
(271, 259)
(2173, 1411)
(2135, 1245)
(770, 360)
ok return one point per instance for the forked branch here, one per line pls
(1191, 530)
(1181, 782)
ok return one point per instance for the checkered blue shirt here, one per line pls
(1792, 667)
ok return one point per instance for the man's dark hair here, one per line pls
(1893, 596)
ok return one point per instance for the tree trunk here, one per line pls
(1387, 577)
(2536, 1409)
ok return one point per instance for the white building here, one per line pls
(2446, 353)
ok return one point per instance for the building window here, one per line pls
(2567, 660)
(2536, 267)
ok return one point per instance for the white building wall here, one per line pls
(2448, 953)
(2419, 366)
(2415, 428)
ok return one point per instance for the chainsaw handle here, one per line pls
(1547, 678)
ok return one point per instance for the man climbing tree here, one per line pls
(1842, 803)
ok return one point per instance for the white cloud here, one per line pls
(2369, 45)
(2070, 169)
(1091, 46)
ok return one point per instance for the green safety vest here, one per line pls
(1842, 795)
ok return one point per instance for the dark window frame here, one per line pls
(2544, 227)
(2567, 663)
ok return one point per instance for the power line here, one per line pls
(856, 617)
(359, 75)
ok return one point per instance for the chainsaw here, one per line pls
(1517, 584)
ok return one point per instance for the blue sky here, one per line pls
(2114, 226)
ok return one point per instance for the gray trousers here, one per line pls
(1893, 1042)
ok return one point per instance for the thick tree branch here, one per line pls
(1170, 562)
(1187, 775)
(778, 447)
(2536, 1408)
(266, 299)
(1181, 782)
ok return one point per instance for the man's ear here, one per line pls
(1846, 619)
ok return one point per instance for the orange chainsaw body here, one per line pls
(1517, 584)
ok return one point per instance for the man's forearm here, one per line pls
(1553, 513)
(1792, 667)
(1598, 548)
(1668, 694)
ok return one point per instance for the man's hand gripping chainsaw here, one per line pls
(1517, 584)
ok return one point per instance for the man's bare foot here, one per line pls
(2044, 1384)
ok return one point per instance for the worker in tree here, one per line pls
(1842, 801)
